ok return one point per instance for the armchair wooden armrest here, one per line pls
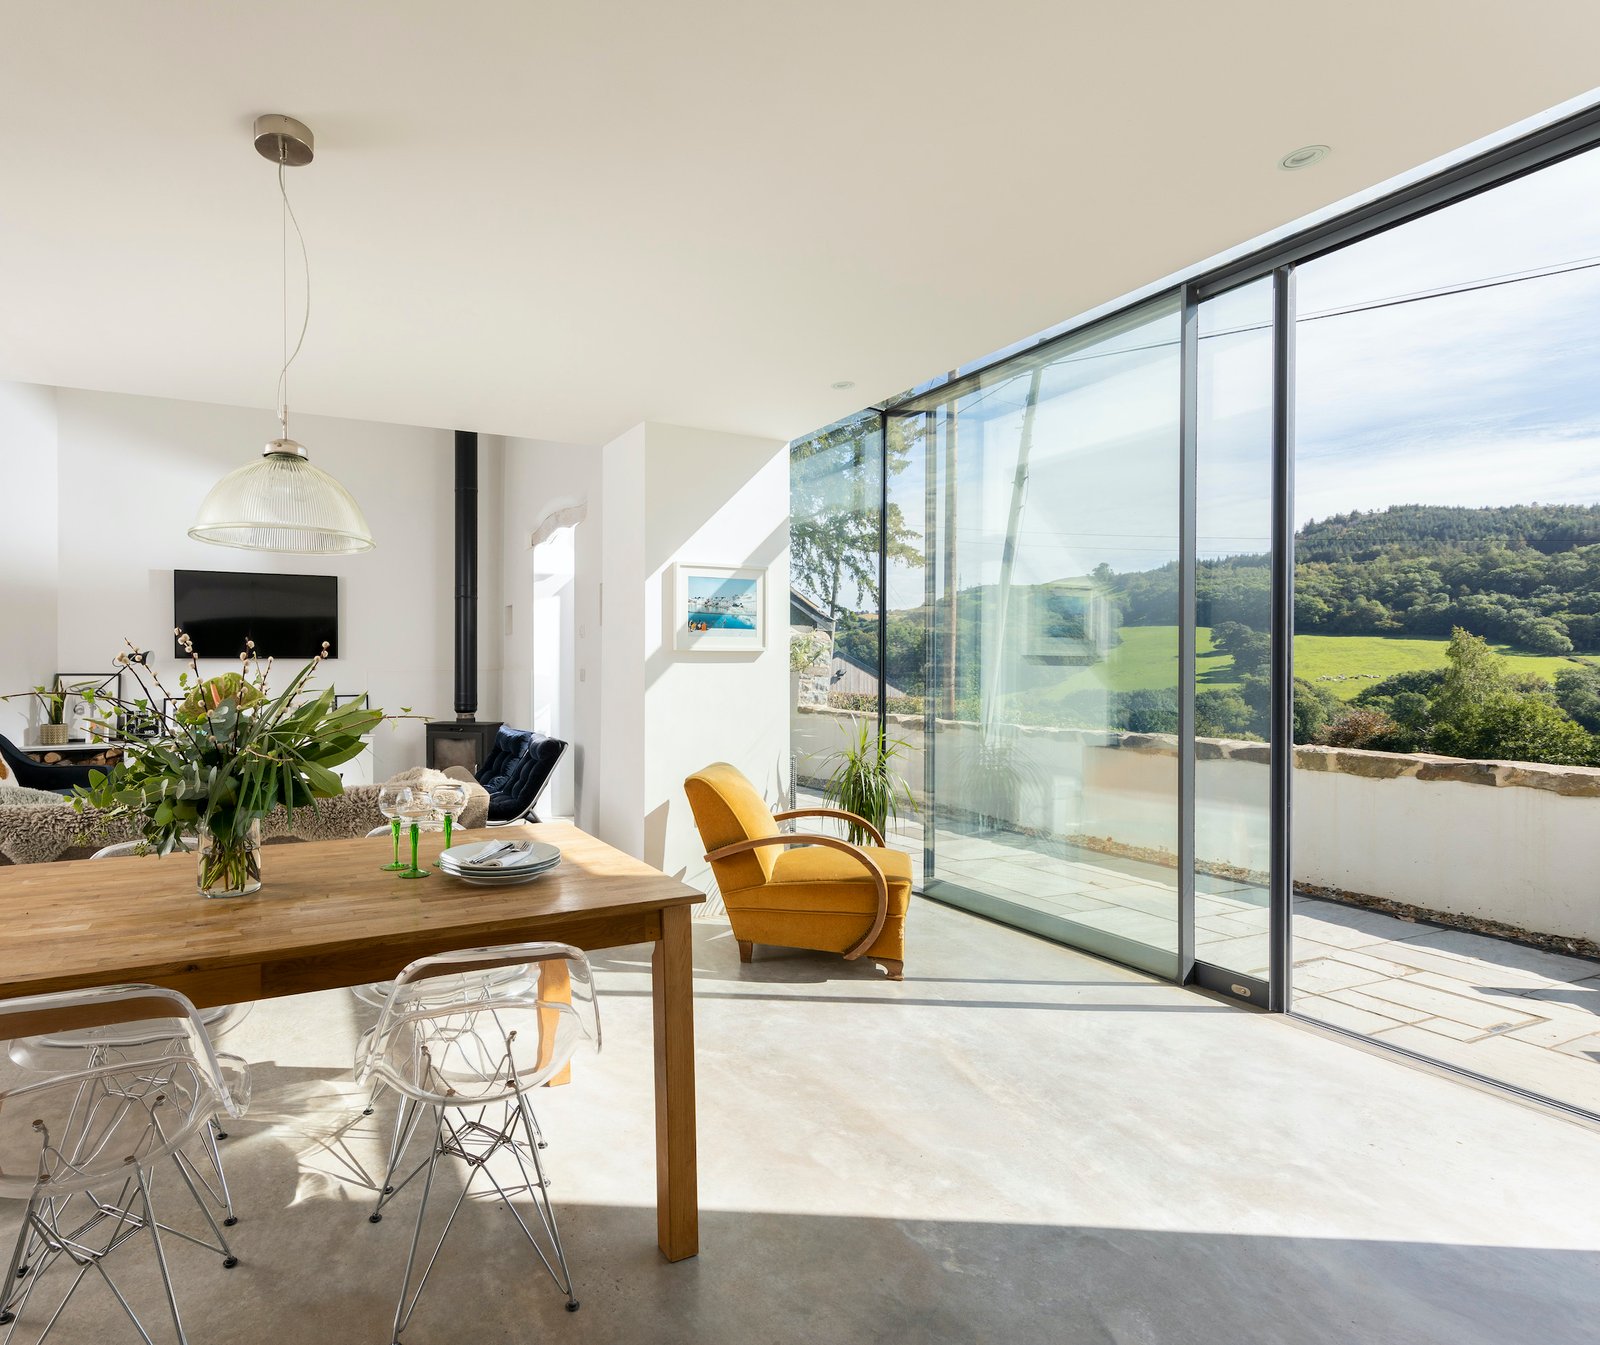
(866, 826)
(831, 843)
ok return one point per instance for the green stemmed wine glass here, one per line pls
(391, 800)
(448, 800)
(416, 810)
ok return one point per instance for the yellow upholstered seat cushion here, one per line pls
(816, 878)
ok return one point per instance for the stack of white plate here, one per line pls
(499, 863)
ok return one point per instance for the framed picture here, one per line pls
(138, 723)
(719, 608)
(354, 698)
(1069, 623)
(92, 711)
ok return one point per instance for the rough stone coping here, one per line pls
(1571, 781)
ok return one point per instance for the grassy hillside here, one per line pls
(1346, 665)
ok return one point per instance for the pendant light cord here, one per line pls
(289, 356)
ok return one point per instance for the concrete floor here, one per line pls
(1016, 1144)
(1505, 1010)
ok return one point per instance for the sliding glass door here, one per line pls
(1051, 673)
(1120, 616)
(1232, 610)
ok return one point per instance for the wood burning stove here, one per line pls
(464, 740)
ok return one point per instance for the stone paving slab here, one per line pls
(1505, 1010)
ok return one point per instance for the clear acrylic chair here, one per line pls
(375, 994)
(80, 1147)
(85, 1048)
(463, 1050)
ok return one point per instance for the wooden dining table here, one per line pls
(328, 916)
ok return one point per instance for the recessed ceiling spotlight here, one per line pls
(843, 385)
(1304, 157)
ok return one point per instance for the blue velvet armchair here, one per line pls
(516, 771)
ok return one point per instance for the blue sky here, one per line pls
(1480, 398)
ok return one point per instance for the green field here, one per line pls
(1346, 665)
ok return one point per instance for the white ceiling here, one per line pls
(560, 220)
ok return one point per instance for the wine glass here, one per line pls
(391, 800)
(449, 799)
(418, 811)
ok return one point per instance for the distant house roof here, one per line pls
(804, 612)
(853, 677)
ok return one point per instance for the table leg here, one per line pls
(555, 987)
(672, 989)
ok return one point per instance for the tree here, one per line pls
(1475, 673)
(1578, 693)
(1314, 709)
(1361, 727)
(1222, 714)
(834, 498)
(1509, 726)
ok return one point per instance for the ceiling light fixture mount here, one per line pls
(284, 140)
(282, 502)
(1304, 157)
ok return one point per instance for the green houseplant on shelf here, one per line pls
(866, 783)
(230, 754)
(53, 728)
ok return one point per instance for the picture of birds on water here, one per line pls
(719, 608)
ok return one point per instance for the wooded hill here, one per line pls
(1524, 575)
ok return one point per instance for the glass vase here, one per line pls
(230, 866)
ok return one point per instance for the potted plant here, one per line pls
(232, 753)
(866, 783)
(53, 731)
(805, 652)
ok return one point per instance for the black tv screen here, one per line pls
(287, 615)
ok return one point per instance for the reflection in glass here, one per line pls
(1233, 635)
(838, 525)
(1052, 658)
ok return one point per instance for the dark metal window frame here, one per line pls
(1562, 139)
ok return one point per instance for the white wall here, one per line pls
(28, 550)
(541, 479)
(678, 495)
(618, 812)
(133, 470)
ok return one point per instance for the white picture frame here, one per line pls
(718, 609)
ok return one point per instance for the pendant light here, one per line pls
(282, 502)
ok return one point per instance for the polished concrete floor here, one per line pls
(1504, 1010)
(1016, 1144)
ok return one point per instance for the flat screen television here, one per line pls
(287, 615)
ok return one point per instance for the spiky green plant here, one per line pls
(865, 781)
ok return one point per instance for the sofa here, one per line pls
(46, 827)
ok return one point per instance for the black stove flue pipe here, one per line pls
(466, 575)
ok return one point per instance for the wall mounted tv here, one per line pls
(287, 615)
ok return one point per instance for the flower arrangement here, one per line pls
(231, 753)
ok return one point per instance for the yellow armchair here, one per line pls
(799, 889)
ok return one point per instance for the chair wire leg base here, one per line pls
(405, 1127)
(475, 1143)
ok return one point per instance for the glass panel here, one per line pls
(1448, 605)
(1233, 637)
(836, 499)
(1053, 659)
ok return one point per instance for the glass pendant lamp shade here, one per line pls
(282, 503)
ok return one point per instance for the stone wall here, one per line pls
(1512, 842)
